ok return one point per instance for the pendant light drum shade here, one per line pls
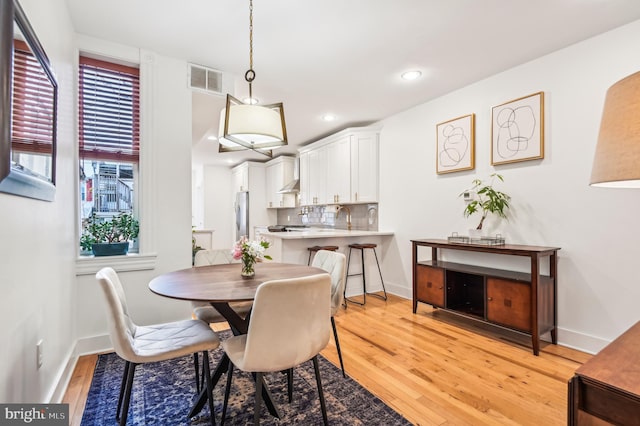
(617, 159)
(251, 126)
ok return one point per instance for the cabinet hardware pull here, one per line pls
(489, 299)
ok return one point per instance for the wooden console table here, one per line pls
(525, 302)
(607, 386)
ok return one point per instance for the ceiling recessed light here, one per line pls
(411, 75)
(250, 101)
(328, 117)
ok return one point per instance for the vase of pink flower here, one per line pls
(250, 252)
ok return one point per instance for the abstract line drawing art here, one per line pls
(517, 130)
(455, 144)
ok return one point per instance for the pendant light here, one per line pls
(250, 126)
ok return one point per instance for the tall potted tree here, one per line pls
(487, 200)
(109, 237)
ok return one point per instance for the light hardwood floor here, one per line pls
(435, 368)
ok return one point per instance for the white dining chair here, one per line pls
(335, 265)
(203, 310)
(138, 344)
(289, 325)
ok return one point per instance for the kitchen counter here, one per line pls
(293, 247)
(324, 233)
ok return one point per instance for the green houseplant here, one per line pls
(488, 199)
(109, 237)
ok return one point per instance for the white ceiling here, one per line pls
(344, 56)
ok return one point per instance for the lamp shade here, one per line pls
(255, 127)
(617, 159)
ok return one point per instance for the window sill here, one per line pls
(89, 265)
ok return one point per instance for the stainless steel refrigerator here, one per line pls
(242, 214)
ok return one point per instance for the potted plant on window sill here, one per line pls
(487, 200)
(109, 237)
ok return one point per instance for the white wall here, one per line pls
(166, 197)
(38, 242)
(218, 208)
(552, 202)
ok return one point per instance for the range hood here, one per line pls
(293, 187)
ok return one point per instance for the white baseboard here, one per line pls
(397, 290)
(64, 377)
(84, 346)
(580, 341)
(93, 345)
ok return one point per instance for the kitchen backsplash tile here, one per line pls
(363, 216)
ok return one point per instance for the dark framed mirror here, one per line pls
(28, 109)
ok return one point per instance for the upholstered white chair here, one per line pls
(138, 344)
(335, 264)
(203, 310)
(289, 325)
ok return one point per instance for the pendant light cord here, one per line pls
(250, 75)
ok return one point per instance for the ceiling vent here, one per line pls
(206, 79)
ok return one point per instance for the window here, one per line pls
(109, 138)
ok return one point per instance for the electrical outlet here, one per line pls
(40, 353)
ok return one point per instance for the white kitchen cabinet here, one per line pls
(313, 170)
(317, 176)
(240, 178)
(341, 168)
(364, 167)
(279, 172)
(338, 179)
(305, 192)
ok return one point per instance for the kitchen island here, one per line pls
(292, 247)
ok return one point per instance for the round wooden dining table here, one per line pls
(220, 285)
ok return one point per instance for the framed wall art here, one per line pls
(517, 130)
(455, 144)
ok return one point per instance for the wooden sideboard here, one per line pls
(607, 387)
(525, 302)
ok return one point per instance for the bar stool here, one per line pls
(362, 248)
(315, 249)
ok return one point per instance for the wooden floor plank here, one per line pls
(433, 367)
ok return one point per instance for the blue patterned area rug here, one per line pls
(164, 392)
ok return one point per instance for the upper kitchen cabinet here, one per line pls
(338, 171)
(364, 167)
(341, 168)
(240, 178)
(279, 172)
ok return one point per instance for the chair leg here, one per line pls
(196, 367)
(290, 384)
(123, 385)
(323, 406)
(335, 335)
(207, 378)
(364, 278)
(364, 300)
(227, 391)
(380, 272)
(127, 394)
(256, 412)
